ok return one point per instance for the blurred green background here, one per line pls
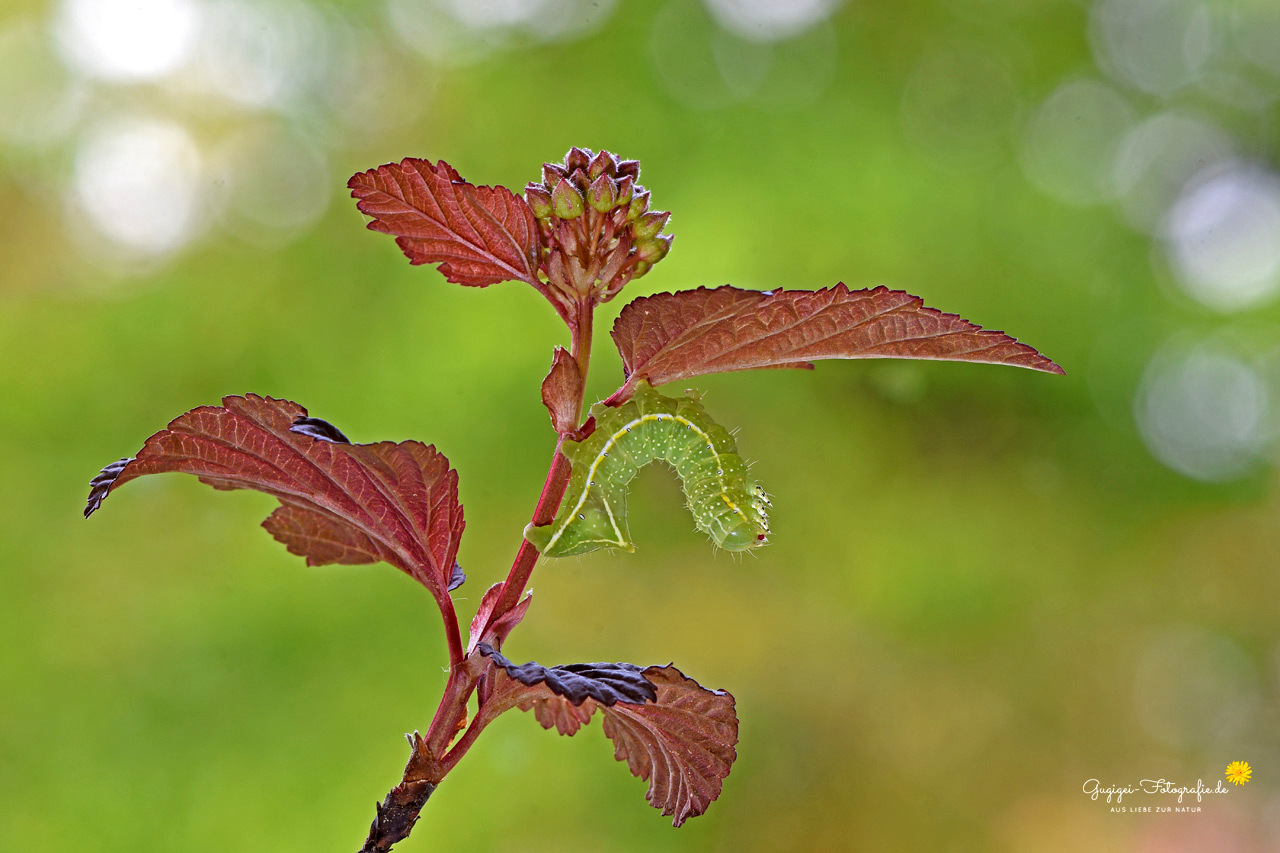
(987, 585)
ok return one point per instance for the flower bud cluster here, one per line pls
(597, 230)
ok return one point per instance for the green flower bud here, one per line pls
(640, 269)
(566, 201)
(650, 250)
(603, 163)
(551, 174)
(626, 187)
(650, 224)
(539, 200)
(639, 204)
(602, 194)
(577, 158)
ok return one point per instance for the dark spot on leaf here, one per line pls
(317, 428)
(325, 514)
(100, 485)
(607, 683)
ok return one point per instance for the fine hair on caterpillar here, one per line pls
(725, 503)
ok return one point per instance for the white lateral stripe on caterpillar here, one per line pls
(609, 444)
(725, 502)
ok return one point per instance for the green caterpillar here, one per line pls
(726, 504)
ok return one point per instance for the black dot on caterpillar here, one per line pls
(726, 504)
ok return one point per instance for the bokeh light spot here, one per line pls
(479, 14)
(1158, 46)
(1072, 140)
(769, 20)
(680, 46)
(426, 28)
(1223, 237)
(457, 32)
(1202, 411)
(275, 184)
(568, 19)
(1156, 160)
(800, 70)
(261, 54)
(743, 64)
(127, 39)
(138, 181)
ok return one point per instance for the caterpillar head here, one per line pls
(752, 531)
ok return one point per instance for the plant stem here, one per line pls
(462, 676)
(396, 815)
(580, 348)
(483, 718)
(451, 631)
(452, 708)
(557, 478)
(432, 759)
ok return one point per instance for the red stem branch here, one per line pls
(462, 674)
(554, 487)
(452, 633)
(483, 718)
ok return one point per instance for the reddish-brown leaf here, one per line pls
(478, 235)
(559, 713)
(498, 632)
(682, 743)
(681, 740)
(319, 538)
(562, 391)
(340, 502)
(672, 336)
(606, 683)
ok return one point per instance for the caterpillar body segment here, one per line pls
(725, 503)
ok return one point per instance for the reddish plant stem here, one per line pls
(485, 716)
(452, 708)
(554, 487)
(462, 675)
(452, 633)
(454, 701)
(527, 556)
(432, 758)
(617, 398)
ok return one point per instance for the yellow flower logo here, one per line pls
(1239, 772)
